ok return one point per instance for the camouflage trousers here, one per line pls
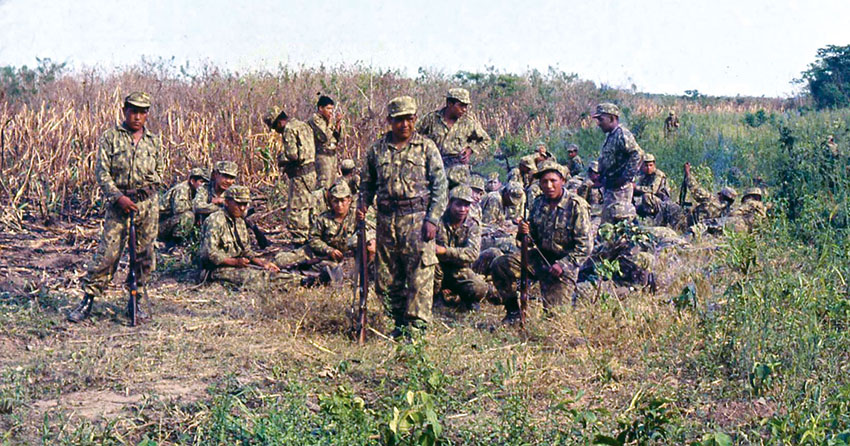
(469, 286)
(300, 206)
(556, 291)
(617, 204)
(405, 267)
(326, 170)
(255, 278)
(116, 225)
(177, 227)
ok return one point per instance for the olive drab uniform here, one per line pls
(454, 272)
(177, 217)
(466, 132)
(562, 233)
(135, 170)
(408, 185)
(297, 159)
(326, 137)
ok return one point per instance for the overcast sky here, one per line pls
(721, 47)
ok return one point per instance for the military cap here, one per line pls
(477, 182)
(593, 167)
(672, 113)
(340, 189)
(552, 166)
(272, 116)
(514, 192)
(528, 162)
(457, 174)
(753, 191)
(572, 147)
(199, 172)
(493, 182)
(138, 99)
(459, 94)
(462, 192)
(347, 164)
(401, 106)
(649, 158)
(227, 168)
(728, 192)
(607, 107)
(239, 194)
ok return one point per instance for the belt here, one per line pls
(301, 170)
(139, 195)
(403, 206)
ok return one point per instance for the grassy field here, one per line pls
(744, 343)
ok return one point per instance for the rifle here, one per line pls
(132, 285)
(683, 192)
(523, 274)
(364, 281)
(262, 241)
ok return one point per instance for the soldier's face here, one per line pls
(456, 109)
(223, 182)
(235, 209)
(477, 193)
(572, 153)
(649, 167)
(327, 111)
(402, 126)
(135, 118)
(551, 183)
(606, 122)
(340, 206)
(458, 210)
(196, 182)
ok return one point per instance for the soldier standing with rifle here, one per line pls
(129, 172)
(619, 161)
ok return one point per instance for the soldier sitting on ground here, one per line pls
(176, 216)
(477, 184)
(708, 206)
(457, 247)
(502, 205)
(574, 162)
(210, 199)
(493, 183)
(349, 173)
(752, 210)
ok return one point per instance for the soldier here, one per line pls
(493, 183)
(176, 218)
(476, 183)
(404, 175)
(210, 199)
(708, 206)
(671, 124)
(542, 154)
(457, 246)
(457, 133)
(226, 253)
(619, 162)
(129, 171)
(752, 210)
(574, 162)
(503, 205)
(457, 175)
(559, 225)
(297, 161)
(333, 234)
(591, 189)
(349, 172)
(327, 135)
(651, 185)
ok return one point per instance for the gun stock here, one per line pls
(132, 284)
(363, 262)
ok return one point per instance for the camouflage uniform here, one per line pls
(351, 176)
(409, 186)
(706, 205)
(671, 124)
(465, 132)
(326, 139)
(462, 242)
(574, 163)
(327, 234)
(562, 233)
(202, 204)
(176, 218)
(494, 210)
(297, 158)
(652, 189)
(619, 162)
(135, 170)
(752, 210)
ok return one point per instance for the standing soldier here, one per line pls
(210, 199)
(671, 124)
(129, 171)
(619, 162)
(574, 162)
(456, 132)
(327, 131)
(177, 218)
(297, 161)
(559, 225)
(404, 176)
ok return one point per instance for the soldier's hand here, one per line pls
(556, 270)
(441, 250)
(242, 262)
(371, 246)
(429, 231)
(270, 266)
(336, 255)
(465, 155)
(127, 205)
(361, 213)
(524, 227)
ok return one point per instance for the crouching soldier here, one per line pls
(226, 252)
(176, 217)
(559, 226)
(458, 242)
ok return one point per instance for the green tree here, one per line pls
(828, 78)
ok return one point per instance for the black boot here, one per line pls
(82, 310)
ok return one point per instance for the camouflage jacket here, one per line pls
(491, 209)
(224, 237)
(462, 243)
(562, 232)
(706, 204)
(325, 135)
(655, 184)
(466, 132)
(575, 165)
(178, 199)
(619, 159)
(413, 171)
(326, 234)
(202, 203)
(752, 212)
(299, 147)
(590, 193)
(122, 166)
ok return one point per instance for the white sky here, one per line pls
(721, 47)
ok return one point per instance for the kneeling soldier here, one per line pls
(334, 233)
(559, 225)
(177, 218)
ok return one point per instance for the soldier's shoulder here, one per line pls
(425, 142)
(660, 173)
(216, 218)
(577, 201)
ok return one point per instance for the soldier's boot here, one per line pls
(82, 310)
(512, 315)
(140, 309)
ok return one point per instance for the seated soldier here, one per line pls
(349, 172)
(503, 205)
(559, 226)
(176, 217)
(226, 253)
(708, 206)
(591, 188)
(651, 184)
(210, 199)
(457, 246)
(751, 212)
(457, 175)
(476, 183)
(493, 183)
(574, 162)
